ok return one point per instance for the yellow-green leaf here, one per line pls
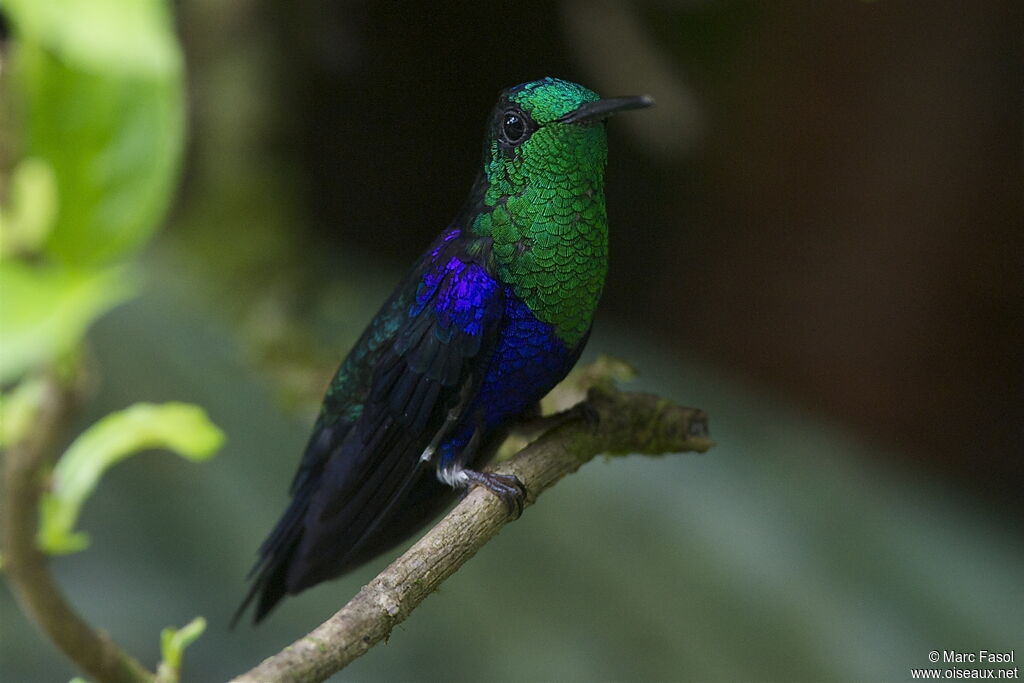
(18, 408)
(100, 86)
(173, 642)
(124, 36)
(179, 427)
(32, 207)
(44, 311)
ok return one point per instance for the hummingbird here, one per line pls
(494, 313)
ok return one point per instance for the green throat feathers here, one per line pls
(543, 207)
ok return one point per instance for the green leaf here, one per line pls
(126, 36)
(173, 643)
(101, 87)
(46, 310)
(179, 427)
(28, 219)
(18, 408)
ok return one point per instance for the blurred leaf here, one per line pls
(100, 89)
(178, 427)
(128, 36)
(173, 643)
(46, 310)
(33, 207)
(18, 407)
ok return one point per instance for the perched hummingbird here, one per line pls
(491, 317)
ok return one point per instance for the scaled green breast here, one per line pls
(548, 224)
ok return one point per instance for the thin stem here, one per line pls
(26, 566)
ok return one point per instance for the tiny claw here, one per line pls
(507, 487)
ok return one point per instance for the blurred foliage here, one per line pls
(98, 92)
(99, 85)
(31, 209)
(177, 427)
(18, 409)
(172, 645)
(96, 88)
(48, 308)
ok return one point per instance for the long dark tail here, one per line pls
(276, 553)
(379, 505)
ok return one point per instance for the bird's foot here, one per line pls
(507, 487)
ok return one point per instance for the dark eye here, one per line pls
(513, 127)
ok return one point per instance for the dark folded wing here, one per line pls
(415, 367)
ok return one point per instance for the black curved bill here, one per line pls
(603, 108)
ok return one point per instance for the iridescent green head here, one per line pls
(550, 126)
(540, 198)
(548, 99)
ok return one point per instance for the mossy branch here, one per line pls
(625, 423)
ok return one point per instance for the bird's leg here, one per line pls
(507, 487)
